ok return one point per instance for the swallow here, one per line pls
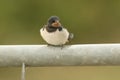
(54, 33)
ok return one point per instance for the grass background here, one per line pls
(91, 21)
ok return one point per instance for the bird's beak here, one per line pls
(56, 24)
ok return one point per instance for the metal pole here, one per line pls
(23, 71)
(69, 55)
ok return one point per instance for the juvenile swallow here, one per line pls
(54, 33)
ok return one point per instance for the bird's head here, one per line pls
(54, 21)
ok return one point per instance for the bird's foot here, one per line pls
(61, 46)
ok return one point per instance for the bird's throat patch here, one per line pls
(53, 29)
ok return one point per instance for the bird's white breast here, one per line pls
(55, 38)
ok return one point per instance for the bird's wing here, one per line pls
(71, 36)
(43, 27)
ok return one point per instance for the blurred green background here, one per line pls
(91, 21)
